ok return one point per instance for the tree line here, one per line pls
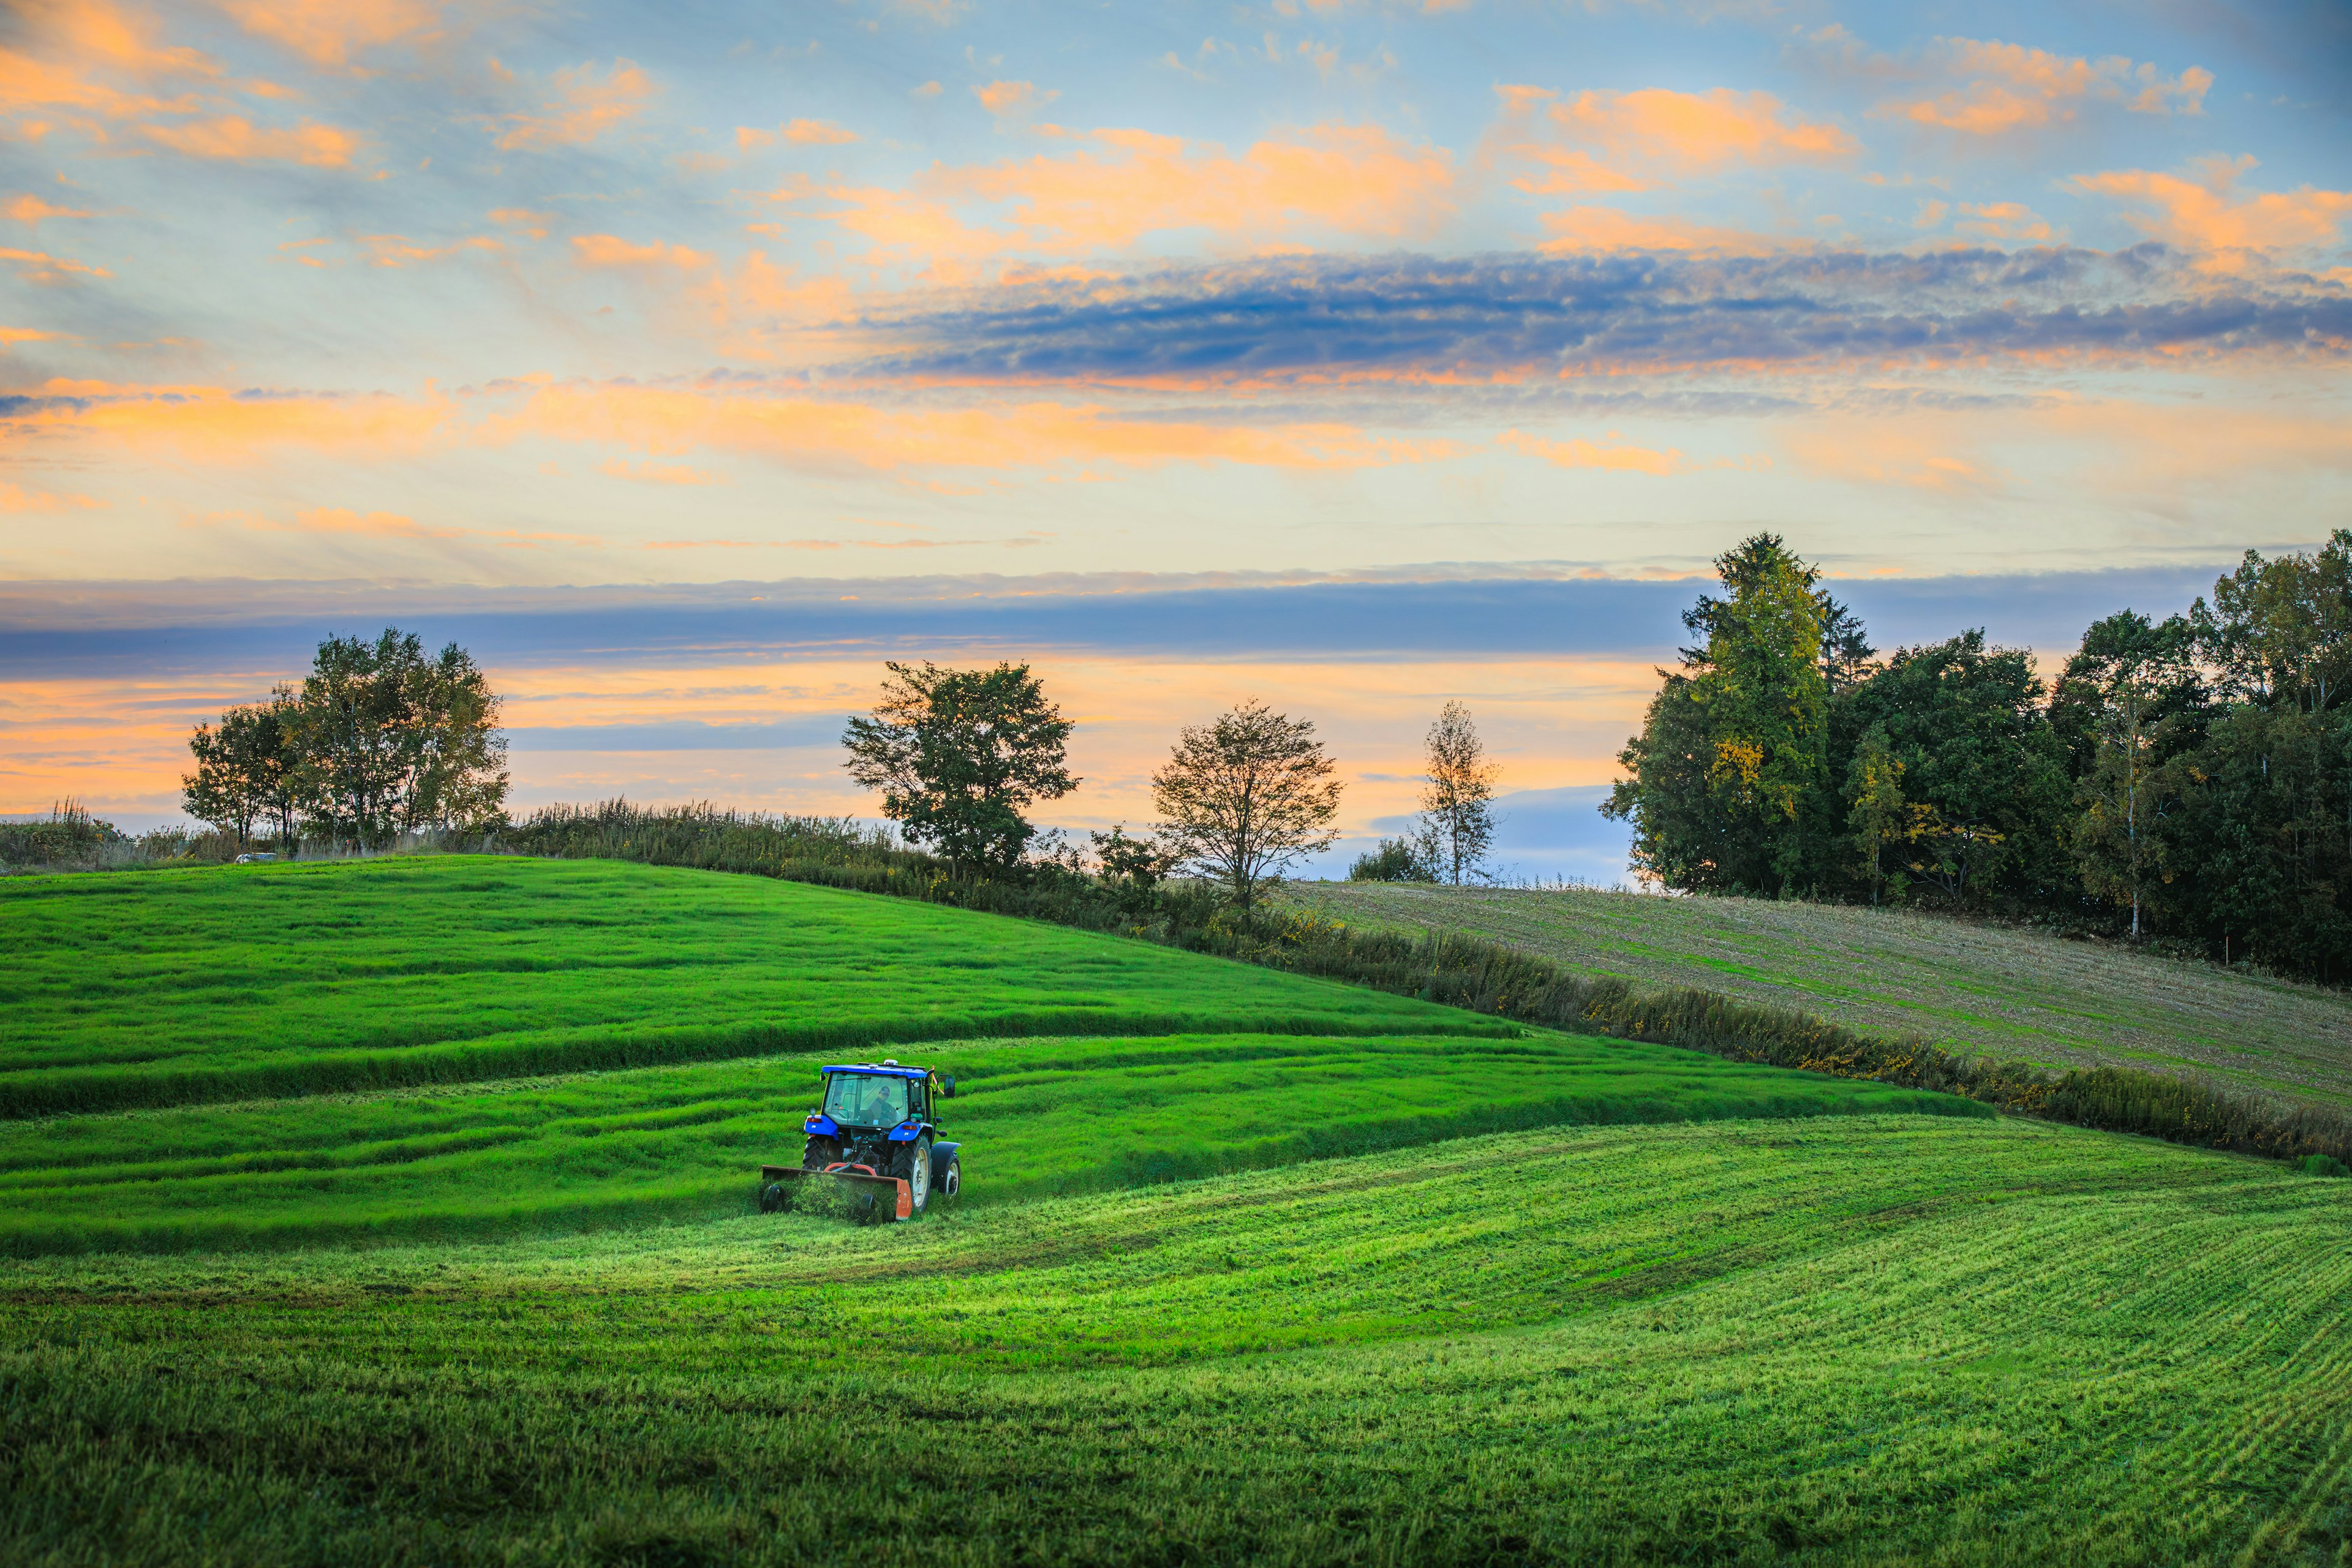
(959, 756)
(2186, 780)
(379, 739)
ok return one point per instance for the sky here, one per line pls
(687, 362)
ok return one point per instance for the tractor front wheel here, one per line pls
(948, 1181)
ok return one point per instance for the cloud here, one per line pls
(1590, 229)
(1356, 180)
(327, 33)
(1908, 453)
(2001, 220)
(1579, 454)
(929, 90)
(17, 498)
(33, 211)
(1576, 321)
(393, 250)
(578, 108)
(809, 433)
(609, 250)
(211, 424)
(798, 132)
(657, 473)
(344, 521)
(2206, 211)
(235, 139)
(2008, 88)
(1014, 99)
(533, 224)
(1635, 140)
(39, 267)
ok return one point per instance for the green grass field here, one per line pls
(1835, 1340)
(230, 983)
(1040, 1116)
(2018, 995)
(1251, 1268)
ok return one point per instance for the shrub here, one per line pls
(2323, 1165)
(1396, 860)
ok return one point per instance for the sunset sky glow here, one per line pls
(688, 361)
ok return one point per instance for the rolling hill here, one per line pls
(399, 1212)
(2014, 993)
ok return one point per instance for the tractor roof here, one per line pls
(881, 1071)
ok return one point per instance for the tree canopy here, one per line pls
(958, 754)
(1245, 796)
(379, 739)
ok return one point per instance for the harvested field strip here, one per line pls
(1860, 1338)
(185, 987)
(2011, 994)
(1049, 1116)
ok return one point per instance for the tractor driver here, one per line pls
(874, 1101)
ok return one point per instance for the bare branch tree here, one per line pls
(1247, 796)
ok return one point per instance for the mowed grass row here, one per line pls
(1850, 1339)
(176, 987)
(1038, 1116)
(2011, 994)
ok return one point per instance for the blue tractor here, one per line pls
(877, 1138)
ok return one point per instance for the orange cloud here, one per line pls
(17, 498)
(533, 224)
(2011, 88)
(1010, 100)
(327, 33)
(1633, 141)
(2002, 220)
(2205, 210)
(581, 108)
(1355, 179)
(657, 473)
(1607, 229)
(236, 139)
(32, 210)
(609, 250)
(38, 266)
(799, 133)
(67, 45)
(1575, 454)
(392, 251)
(343, 520)
(213, 424)
(1910, 453)
(808, 433)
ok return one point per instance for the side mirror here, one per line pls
(947, 1088)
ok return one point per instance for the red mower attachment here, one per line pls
(856, 1179)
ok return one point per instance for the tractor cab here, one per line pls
(876, 1129)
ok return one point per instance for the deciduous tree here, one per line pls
(1247, 796)
(1458, 817)
(958, 754)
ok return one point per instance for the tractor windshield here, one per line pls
(866, 1099)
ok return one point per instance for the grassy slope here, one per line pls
(1858, 1338)
(179, 986)
(2013, 994)
(1040, 1116)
